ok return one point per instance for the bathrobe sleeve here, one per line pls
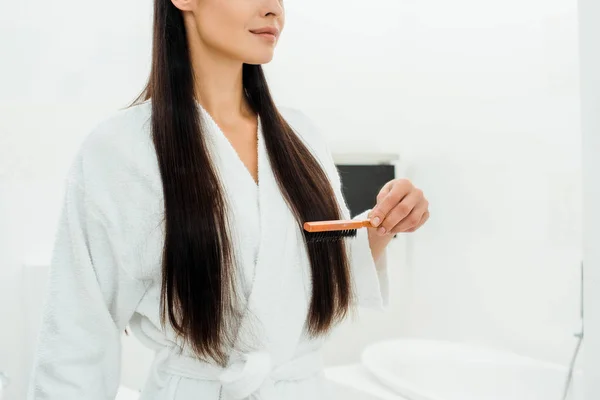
(88, 302)
(371, 279)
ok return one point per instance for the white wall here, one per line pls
(480, 99)
(58, 77)
(589, 14)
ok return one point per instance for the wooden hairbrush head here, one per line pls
(331, 231)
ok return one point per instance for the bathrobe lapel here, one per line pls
(279, 300)
(277, 305)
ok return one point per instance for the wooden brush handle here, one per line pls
(336, 225)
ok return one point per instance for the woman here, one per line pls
(182, 220)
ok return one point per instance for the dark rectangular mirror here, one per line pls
(361, 184)
(363, 175)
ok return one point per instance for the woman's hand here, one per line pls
(401, 207)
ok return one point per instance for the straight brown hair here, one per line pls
(197, 264)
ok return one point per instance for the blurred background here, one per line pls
(477, 102)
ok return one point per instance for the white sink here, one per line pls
(355, 382)
(127, 394)
(437, 370)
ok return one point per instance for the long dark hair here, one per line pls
(197, 263)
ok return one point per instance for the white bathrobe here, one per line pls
(106, 275)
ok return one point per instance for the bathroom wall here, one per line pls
(479, 99)
(589, 13)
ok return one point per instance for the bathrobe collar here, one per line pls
(279, 299)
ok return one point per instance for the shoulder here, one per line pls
(312, 137)
(115, 136)
(116, 156)
(306, 129)
(299, 121)
(117, 142)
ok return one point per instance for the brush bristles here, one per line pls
(329, 236)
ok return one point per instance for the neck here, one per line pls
(218, 81)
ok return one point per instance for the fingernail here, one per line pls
(376, 221)
(381, 231)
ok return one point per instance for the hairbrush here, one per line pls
(331, 231)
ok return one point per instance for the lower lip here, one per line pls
(267, 36)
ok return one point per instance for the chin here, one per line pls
(257, 59)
